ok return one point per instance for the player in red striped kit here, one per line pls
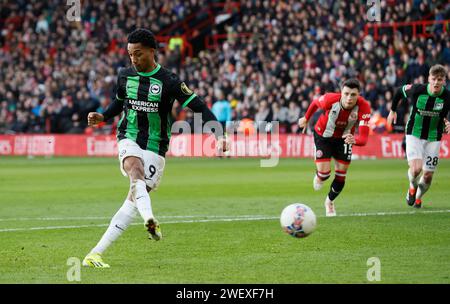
(334, 135)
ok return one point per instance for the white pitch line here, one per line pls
(231, 219)
(169, 222)
(51, 228)
(395, 213)
(53, 218)
(87, 218)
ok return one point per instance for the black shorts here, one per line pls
(327, 148)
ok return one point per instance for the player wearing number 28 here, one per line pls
(430, 104)
(334, 135)
(145, 96)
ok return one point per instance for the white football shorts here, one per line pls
(427, 151)
(153, 163)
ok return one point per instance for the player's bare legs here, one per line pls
(323, 171)
(135, 170)
(120, 221)
(336, 187)
(138, 193)
(423, 186)
(414, 171)
(138, 201)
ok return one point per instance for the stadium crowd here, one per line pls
(53, 71)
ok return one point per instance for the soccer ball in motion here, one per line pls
(298, 220)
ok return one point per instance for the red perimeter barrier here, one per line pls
(379, 146)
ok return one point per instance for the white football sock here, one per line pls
(423, 187)
(142, 199)
(413, 181)
(120, 221)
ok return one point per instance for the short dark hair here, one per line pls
(438, 70)
(143, 36)
(352, 83)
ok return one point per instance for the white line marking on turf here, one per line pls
(215, 218)
(52, 227)
(79, 218)
(394, 213)
(134, 224)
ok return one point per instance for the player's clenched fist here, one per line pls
(94, 118)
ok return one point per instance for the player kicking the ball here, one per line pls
(426, 123)
(145, 95)
(334, 135)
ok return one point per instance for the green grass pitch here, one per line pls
(220, 221)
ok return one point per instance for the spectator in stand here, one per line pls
(280, 114)
(263, 116)
(222, 110)
(293, 116)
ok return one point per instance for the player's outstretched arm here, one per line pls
(189, 99)
(198, 106)
(303, 121)
(113, 109)
(400, 94)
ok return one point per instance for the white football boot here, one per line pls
(330, 209)
(317, 183)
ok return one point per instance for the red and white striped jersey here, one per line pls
(336, 121)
